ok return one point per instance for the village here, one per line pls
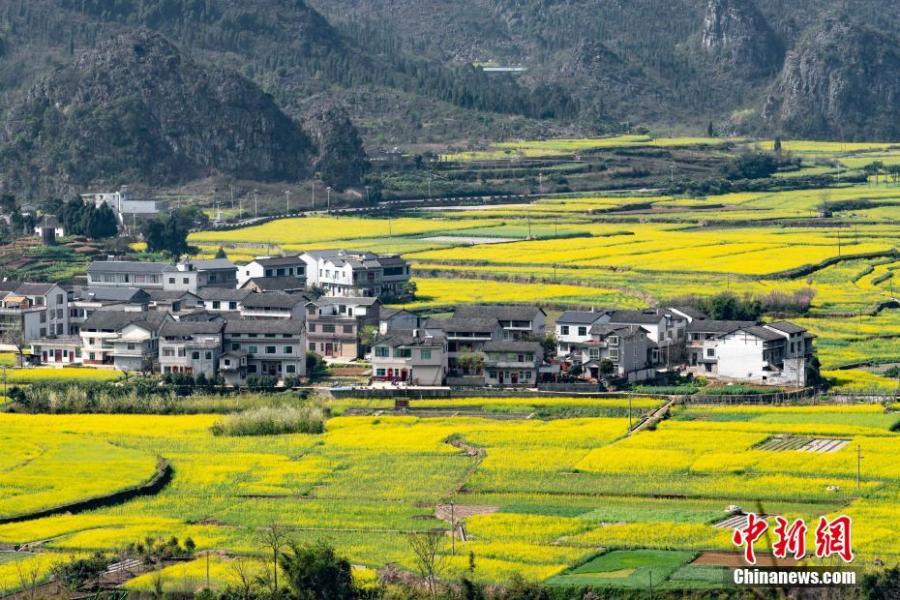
(258, 322)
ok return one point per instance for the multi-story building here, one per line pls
(516, 322)
(129, 273)
(335, 325)
(129, 211)
(86, 301)
(273, 347)
(290, 285)
(352, 273)
(184, 276)
(266, 267)
(573, 330)
(411, 357)
(216, 299)
(191, 347)
(273, 305)
(512, 362)
(778, 353)
(618, 351)
(664, 327)
(466, 338)
(129, 341)
(216, 272)
(701, 335)
(29, 311)
(394, 319)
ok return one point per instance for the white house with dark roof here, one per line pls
(129, 341)
(86, 301)
(264, 267)
(356, 273)
(573, 330)
(273, 347)
(216, 299)
(33, 310)
(128, 273)
(411, 357)
(191, 347)
(777, 353)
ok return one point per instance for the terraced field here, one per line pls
(565, 500)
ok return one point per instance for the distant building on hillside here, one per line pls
(129, 211)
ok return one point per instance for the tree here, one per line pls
(102, 223)
(710, 132)
(220, 253)
(316, 572)
(750, 165)
(470, 362)
(274, 538)
(425, 546)
(76, 573)
(242, 579)
(776, 147)
(368, 335)
(168, 233)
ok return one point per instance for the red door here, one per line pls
(58, 356)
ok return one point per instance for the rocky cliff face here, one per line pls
(839, 81)
(737, 35)
(138, 109)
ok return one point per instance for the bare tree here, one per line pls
(274, 537)
(242, 578)
(426, 546)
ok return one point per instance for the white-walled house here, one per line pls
(34, 310)
(356, 273)
(265, 267)
(411, 357)
(129, 341)
(512, 362)
(627, 349)
(516, 322)
(573, 330)
(778, 353)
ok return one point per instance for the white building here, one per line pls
(412, 357)
(273, 266)
(775, 354)
(33, 310)
(355, 273)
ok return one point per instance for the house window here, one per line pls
(288, 350)
(426, 353)
(710, 352)
(270, 349)
(232, 306)
(312, 327)
(252, 349)
(216, 305)
(235, 347)
(172, 280)
(131, 346)
(327, 328)
(184, 280)
(613, 340)
(290, 369)
(209, 356)
(382, 351)
(379, 372)
(594, 353)
(195, 355)
(582, 331)
(614, 354)
(564, 330)
(227, 362)
(348, 328)
(403, 353)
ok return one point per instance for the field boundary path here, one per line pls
(161, 478)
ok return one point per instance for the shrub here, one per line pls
(272, 421)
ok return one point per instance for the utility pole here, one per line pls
(255, 203)
(629, 415)
(858, 464)
(231, 185)
(367, 194)
(314, 195)
(328, 189)
(452, 530)
(541, 183)
(287, 194)
(207, 570)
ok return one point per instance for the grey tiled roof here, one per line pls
(283, 326)
(761, 332)
(34, 289)
(188, 328)
(786, 326)
(223, 294)
(579, 317)
(514, 346)
(118, 319)
(716, 326)
(506, 313)
(129, 266)
(274, 300)
(212, 264)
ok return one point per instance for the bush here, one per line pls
(272, 421)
